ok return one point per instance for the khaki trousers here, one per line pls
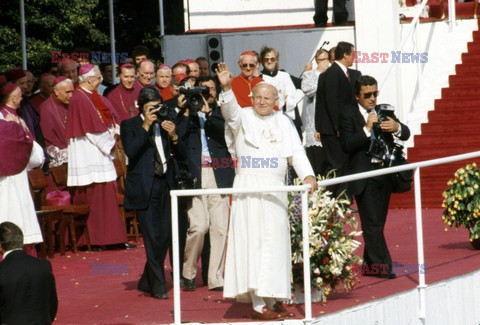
(207, 213)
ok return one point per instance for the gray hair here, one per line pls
(90, 73)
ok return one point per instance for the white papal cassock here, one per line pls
(258, 250)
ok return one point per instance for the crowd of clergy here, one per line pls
(72, 115)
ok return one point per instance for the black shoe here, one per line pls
(121, 246)
(96, 248)
(160, 295)
(129, 245)
(390, 275)
(189, 285)
(216, 289)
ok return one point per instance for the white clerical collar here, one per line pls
(88, 91)
(8, 252)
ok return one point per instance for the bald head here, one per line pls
(68, 68)
(146, 72)
(264, 98)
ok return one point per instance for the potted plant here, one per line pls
(461, 201)
(332, 245)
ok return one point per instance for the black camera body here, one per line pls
(194, 97)
(162, 114)
(379, 147)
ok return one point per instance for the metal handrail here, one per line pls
(304, 189)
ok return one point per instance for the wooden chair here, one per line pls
(129, 217)
(48, 216)
(76, 215)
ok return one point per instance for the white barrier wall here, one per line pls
(202, 15)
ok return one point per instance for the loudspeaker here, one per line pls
(215, 51)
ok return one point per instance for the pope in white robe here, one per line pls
(258, 261)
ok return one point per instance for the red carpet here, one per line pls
(451, 130)
(86, 298)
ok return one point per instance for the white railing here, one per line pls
(304, 189)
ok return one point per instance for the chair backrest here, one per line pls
(120, 175)
(38, 183)
(60, 175)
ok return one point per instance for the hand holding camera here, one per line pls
(371, 121)
(390, 125)
(150, 117)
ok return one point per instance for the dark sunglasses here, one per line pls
(368, 95)
(269, 59)
(247, 65)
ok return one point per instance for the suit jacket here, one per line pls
(190, 132)
(27, 290)
(334, 91)
(355, 143)
(140, 150)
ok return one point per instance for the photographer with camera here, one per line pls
(367, 134)
(202, 128)
(150, 139)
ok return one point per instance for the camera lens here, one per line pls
(195, 102)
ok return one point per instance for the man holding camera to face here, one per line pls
(367, 134)
(151, 143)
(202, 128)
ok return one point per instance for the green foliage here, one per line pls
(61, 25)
(50, 25)
(461, 200)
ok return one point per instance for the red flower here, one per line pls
(326, 260)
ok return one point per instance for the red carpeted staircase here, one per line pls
(453, 128)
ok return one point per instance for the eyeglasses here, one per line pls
(320, 59)
(368, 95)
(269, 59)
(248, 65)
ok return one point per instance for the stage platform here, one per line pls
(100, 287)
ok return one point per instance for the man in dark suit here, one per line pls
(358, 124)
(150, 140)
(335, 91)
(203, 132)
(340, 13)
(27, 287)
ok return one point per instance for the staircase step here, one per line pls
(462, 115)
(476, 35)
(470, 58)
(444, 129)
(464, 80)
(467, 69)
(452, 140)
(417, 154)
(456, 105)
(473, 47)
(461, 92)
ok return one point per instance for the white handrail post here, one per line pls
(307, 282)
(24, 37)
(176, 260)
(451, 15)
(421, 260)
(112, 40)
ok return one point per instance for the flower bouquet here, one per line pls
(332, 244)
(461, 201)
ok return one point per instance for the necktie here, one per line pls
(158, 164)
(348, 76)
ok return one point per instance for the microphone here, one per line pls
(324, 43)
